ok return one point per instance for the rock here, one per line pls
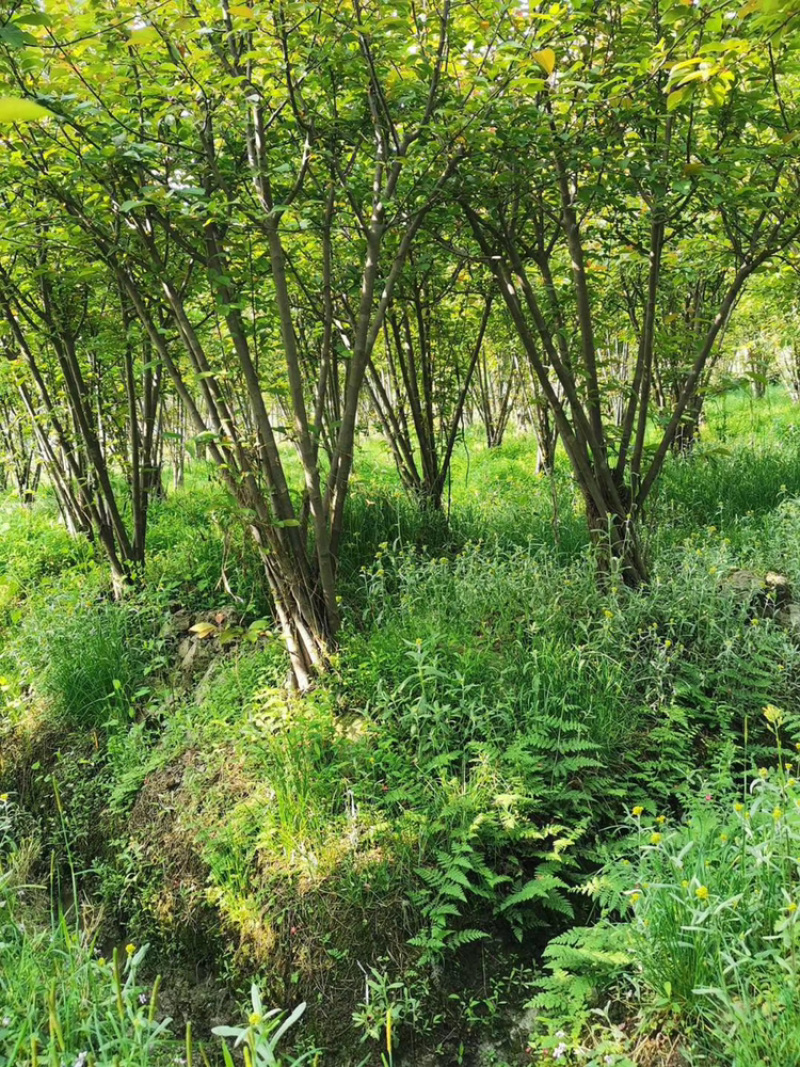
(789, 619)
(177, 623)
(765, 597)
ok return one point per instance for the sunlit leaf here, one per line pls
(546, 60)
(144, 36)
(13, 109)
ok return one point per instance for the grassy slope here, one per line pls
(490, 715)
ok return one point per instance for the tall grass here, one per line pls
(88, 660)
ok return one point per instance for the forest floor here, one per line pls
(523, 819)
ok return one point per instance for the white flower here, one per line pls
(559, 1051)
(6, 1021)
(82, 1059)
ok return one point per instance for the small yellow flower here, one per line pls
(773, 715)
(738, 806)
(635, 897)
(3, 798)
(790, 782)
(777, 813)
(637, 811)
(723, 838)
(685, 884)
(254, 1019)
(701, 892)
(101, 962)
(661, 819)
(130, 949)
(791, 908)
(788, 766)
(667, 643)
(655, 838)
(763, 772)
(608, 614)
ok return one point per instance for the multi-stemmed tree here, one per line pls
(639, 127)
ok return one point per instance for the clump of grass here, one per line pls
(85, 659)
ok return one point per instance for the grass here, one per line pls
(425, 820)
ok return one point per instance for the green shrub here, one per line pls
(701, 924)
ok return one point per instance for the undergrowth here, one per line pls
(399, 841)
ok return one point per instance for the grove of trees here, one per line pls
(263, 228)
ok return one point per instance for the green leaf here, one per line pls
(13, 109)
(143, 36)
(36, 18)
(677, 96)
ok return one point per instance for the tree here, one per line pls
(433, 333)
(68, 326)
(640, 124)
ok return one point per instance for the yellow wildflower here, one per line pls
(701, 892)
(637, 811)
(738, 806)
(791, 908)
(777, 813)
(685, 883)
(3, 798)
(655, 838)
(254, 1019)
(635, 897)
(773, 715)
(130, 949)
(661, 819)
